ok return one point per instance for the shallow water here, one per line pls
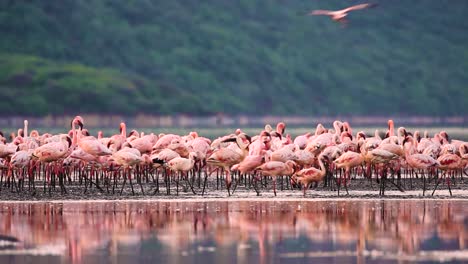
(233, 231)
(459, 132)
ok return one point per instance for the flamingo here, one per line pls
(2, 138)
(144, 144)
(183, 165)
(349, 160)
(448, 162)
(89, 144)
(164, 156)
(326, 138)
(21, 161)
(339, 15)
(277, 168)
(227, 157)
(7, 150)
(301, 140)
(304, 158)
(310, 175)
(180, 147)
(116, 141)
(256, 155)
(127, 158)
(418, 161)
(284, 154)
(164, 141)
(52, 152)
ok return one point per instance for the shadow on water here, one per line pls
(391, 231)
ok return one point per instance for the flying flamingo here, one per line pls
(339, 15)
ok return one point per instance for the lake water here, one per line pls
(460, 133)
(236, 231)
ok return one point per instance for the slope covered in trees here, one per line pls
(247, 56)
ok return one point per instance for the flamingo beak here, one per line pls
(69, 140)
(80, 124)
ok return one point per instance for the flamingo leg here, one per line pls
(236, 183)
(155, 180)
(424, 182)
(256, 185)
(125, 180)
(189, 183)
(448, 185)
(274, 185)
(130, 180)
(436, 185)
(228, 181)
(204, 184)
(177, 184)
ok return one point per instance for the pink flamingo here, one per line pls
(418, 161)
(143, 144)
(308, 176)
(339, 15)
(448, 162)
(127, 158)
(301, 140)
(227, 157)
(277, 168)
(349, 160)
(284, 154)
(51, 153)
(116, 141)
(183, 166)
(180, 147)
(164, 141)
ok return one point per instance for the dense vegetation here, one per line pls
(248, 56)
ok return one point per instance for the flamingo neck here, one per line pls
(322, 166)
(25, 131)
(391, 128)
(75, 136)
(337, 128)
(123, 131)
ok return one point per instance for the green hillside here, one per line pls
(243, 56)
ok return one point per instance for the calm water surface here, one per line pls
(369, 231)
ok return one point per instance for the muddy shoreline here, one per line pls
(357, 189)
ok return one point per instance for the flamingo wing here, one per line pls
(321, 12)
(359, 7)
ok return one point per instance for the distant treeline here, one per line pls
(255, 57)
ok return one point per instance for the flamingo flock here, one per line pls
(332, 158)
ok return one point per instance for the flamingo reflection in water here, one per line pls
(390, 226)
